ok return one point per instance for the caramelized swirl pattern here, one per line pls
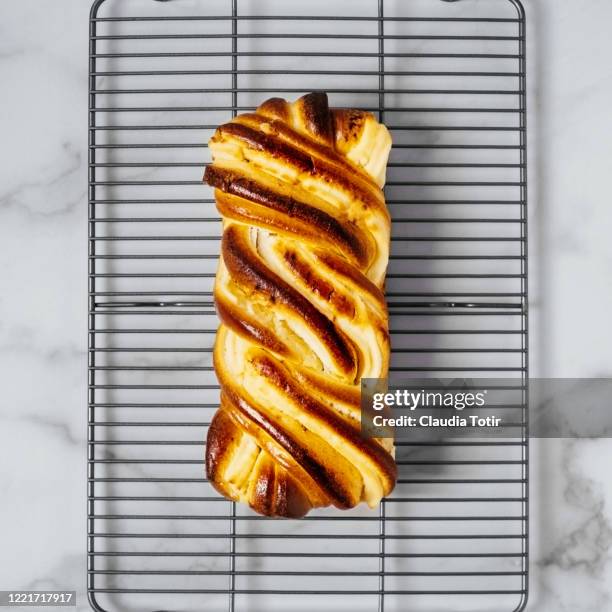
(299, 292)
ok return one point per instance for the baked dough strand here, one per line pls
(299, 292)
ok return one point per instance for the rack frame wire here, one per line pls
(435, 277)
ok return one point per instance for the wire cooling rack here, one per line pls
(449, 81)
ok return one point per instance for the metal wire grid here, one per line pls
(449, 79)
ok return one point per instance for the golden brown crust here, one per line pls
(289, 148)
(275, 491)
(275, 108)
(299, 292)
(316, 116)
(246, 269)
(279, 376)
(320, 474)
(256, 204)
(247, 326)
(350, 123)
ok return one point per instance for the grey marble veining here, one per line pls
(43, 270)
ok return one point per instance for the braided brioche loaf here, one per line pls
(299, 292)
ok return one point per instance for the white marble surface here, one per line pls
(43, 213)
